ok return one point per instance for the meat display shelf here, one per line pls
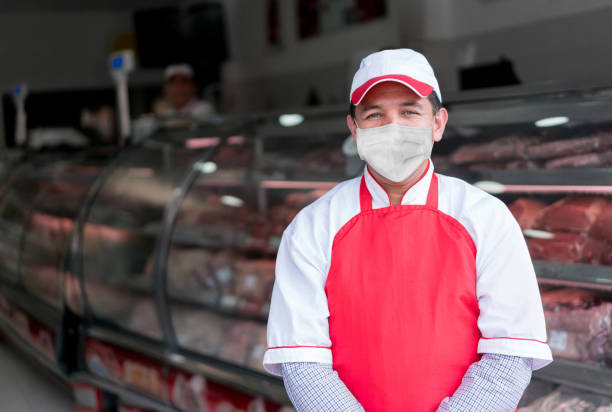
(574, 274)
(590, 378)
(212, 237)
(127, 394)
(47, 315)
(225, 304)
(588, 179)
(220, 371)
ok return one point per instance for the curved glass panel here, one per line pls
(120, 233)
(221, 259)
(22, 189)
(49, 228)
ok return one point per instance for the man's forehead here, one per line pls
(179, 78)
(390, 92)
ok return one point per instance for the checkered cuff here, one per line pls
(495, 383)
(315, 387)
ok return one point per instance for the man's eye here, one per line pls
(410, 113)
(373, 116)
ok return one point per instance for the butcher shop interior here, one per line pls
(153, 152)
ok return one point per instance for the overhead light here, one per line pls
(491, 187)
(232, 201)
(290, 120)
(538, 234)
(206, 167)
(552, 121)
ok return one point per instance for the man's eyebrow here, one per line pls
(371, 107)
(411, 104)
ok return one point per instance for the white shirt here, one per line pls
(511, 318)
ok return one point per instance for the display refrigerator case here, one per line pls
(153, 266)
(547, 156)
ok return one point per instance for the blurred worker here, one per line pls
(180, 95)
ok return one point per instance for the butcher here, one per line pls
(403, 289)
(180, 95)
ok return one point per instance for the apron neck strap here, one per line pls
(365, 198)
(432, 195)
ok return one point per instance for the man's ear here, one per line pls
(439, 124)
(352, 127)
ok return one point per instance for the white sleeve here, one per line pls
(298, 328)
(511, 317)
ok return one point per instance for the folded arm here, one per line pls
(495, 383)
(314, 387)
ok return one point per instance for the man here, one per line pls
(404, 290)
(179, 95)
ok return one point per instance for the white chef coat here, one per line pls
(511, 318)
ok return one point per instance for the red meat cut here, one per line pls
(570, 147)
(508, 148)
(578, 324)
(573, 214)
(563, 247)
(527, 212)
(556, 402)
(583, 160)
(602, 227)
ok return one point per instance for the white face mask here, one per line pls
(393, 150)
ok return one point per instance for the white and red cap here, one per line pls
(404, 66)
(182, 69)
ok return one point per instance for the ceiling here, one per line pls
(7, 6)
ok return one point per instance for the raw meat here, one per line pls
(602, 227)
(144, 320)
(563, 247)
(583, 160)
(254, 279)
(573, 214)
(556, 300)
(606, 256)
(189, 271)
(508, 148)
(570, 147)
(260, 344)
(199, 330)
(595, 252)
(555, 402)
(237, 342)
(527, 212)
(579, 325)
(322, 161)
(476, 167)
(521, 165)
(233, 156)
(222, 265)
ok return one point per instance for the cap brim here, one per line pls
(420, 88)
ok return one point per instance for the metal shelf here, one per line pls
(127, 394)
(590, 378)
(574, 274)
(587, 180)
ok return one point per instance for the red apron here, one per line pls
(403, 309)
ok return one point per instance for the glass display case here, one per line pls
(166, 251)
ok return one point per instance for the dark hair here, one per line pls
(436, 104)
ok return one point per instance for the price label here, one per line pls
(558, 339)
